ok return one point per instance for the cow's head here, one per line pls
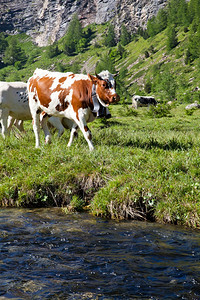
(106, 75)
(105, 91)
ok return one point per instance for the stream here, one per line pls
(47, 254)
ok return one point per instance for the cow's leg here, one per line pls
(56, 122)
(45, 128)
(35, 113)
(36, 128)
(108, 114)
(72, 134)
(4, 113)
(20, 125)
(10, 123)
(86, 132)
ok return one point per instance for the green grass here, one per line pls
(142, 167)
(146, 163)
(140, 69)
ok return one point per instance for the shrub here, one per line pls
(52, 50)
(159, 111)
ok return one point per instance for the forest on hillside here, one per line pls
(19, 56)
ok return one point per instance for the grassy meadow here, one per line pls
(144, 166)
(146, 163)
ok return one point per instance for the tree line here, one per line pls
(179, 13)
(77, 40)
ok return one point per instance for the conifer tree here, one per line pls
(194, 11)
(105, 63)
(124, 36)
(172, 40)
(14, 53)
(157, 23)
(193, 50)
(183, 13)
(110, 37)
(52, 50)
(73, 36)
(172, 12)
(3, 43)
(161, 20)
(152, 27)
(120, 50)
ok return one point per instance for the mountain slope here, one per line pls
(136, 70)
(47, 21)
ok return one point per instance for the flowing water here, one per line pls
(46, 254)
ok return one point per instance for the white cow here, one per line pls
(14, 108)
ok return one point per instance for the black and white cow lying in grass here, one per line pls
(138, 101)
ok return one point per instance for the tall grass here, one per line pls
(142, 167)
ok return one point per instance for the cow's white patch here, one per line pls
(101, 102)
(54, 100)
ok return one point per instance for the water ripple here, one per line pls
(45, 254)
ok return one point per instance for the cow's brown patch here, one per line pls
(43, 86)
(62, 98)
(44, 114)
(62, 106)
(62, 79)
(31, 84)
(82, 95)
(34, 97)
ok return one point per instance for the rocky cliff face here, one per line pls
(47, 20)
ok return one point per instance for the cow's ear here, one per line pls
(99, 77)
(116, 74)
(93, 79)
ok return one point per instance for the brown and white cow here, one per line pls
(68, 95)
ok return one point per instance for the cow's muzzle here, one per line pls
(115, 98)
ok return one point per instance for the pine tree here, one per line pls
(193, 50)
(105, 63)
(172, 40)
(52, 50)
(161, 19)
(194, 13)
(73, 36)
(152, 27)
(3, 43)
(14, 53)
(110, 37)
(178, 13)
(125, 36)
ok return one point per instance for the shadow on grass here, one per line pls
(172, 144)
(150, 143)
